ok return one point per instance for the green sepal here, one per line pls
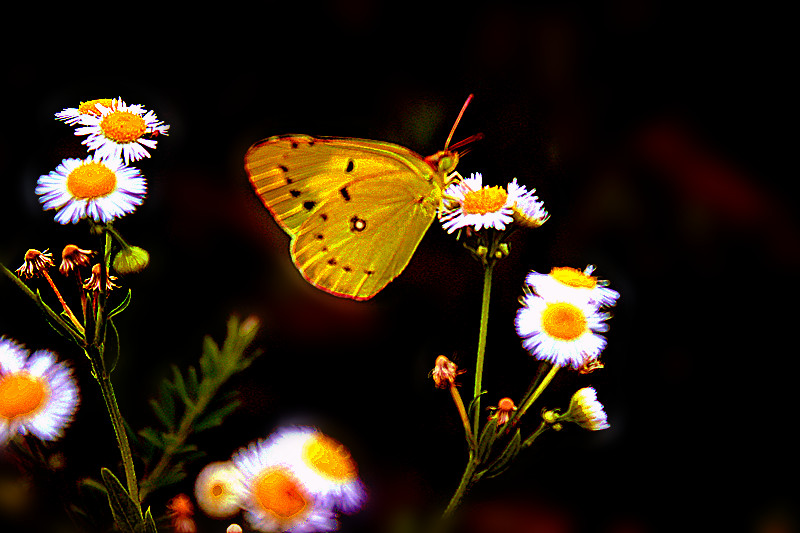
(122, 306)
(127, 513)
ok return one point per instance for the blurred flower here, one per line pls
(570, 283)
(216, 489)
(273, 497)
(528, 211)
(72, 115)
(468, 203)
(234, 528)
(503, 410)
(97, 188)
(561, 332)
(120, 131)
(73, 257)
(180, 513)
(93, 283)
(36, 263)
(37, 394)
(322, 464)
(586, 411)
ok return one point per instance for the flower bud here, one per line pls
(131, 260)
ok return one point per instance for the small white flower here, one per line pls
(216, 489)
(561, 332)
(97, 188)
(571, 283)
(469, 204)
(37, 394)
(586, 411)
(274, 498)
(528, 211)
(121, 131)
(72, 115)
(322, 464)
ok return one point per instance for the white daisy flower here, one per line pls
(216, 489)
(528, 211)
(274, 498)
(97, 188)
(322, 464)
(561, 332)
(567, 282)
(586, 411)
(37, 394)
(72, 115)
(121, 131)
(469, 203)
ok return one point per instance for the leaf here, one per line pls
(149, 525)
(487, 438)
(473, 403)
(127, 513)
(152, 436)
(216, 418)
(503, 461)
(162, 415)
(180, 386)
(122, 306)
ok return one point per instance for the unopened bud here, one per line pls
(131, 260)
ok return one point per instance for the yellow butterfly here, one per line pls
(355, 209)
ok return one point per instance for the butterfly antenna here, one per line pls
(468, 140)
(458, 119)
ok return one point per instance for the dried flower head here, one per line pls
(180, 513)
(444, 372)
(35, 264)
(503, 410)
(73, 257)
(93, 283)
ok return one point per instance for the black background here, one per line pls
(655, 133)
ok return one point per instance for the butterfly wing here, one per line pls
(356, 209)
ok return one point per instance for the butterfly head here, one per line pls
(443, 162)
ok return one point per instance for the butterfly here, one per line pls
(355, 209)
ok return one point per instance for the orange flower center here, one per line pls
(573, 277)
(217, 489)
(330, 458)
(91, 180)
(90, 107)
(563, 321)
(505, 404)
(486, 200)
(277, 492)
(123, 126)
(21, 394)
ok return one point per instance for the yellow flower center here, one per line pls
(123, 126)
(21, 394)
(91, 180)
(90, 107)
(486, 200)
(217, 489)
(277, 492)
(330, 458)
(563, 321)
(573, 277)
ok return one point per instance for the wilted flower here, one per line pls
(180, 513)
(73, 257)
(444, 372)
(503, 410)
(36, 263)
(37, 394)
(96, 188)
(93, 283)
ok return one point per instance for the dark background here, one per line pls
(655, 133)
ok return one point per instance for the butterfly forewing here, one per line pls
(370, 240)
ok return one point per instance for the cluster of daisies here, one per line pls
(296, 480)
(38, 394)
(470, 204)
(102, 186)
(560, 321)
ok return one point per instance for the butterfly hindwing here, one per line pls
(364, 235)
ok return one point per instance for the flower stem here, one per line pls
(543, 385)
(487, 290)
(541, 429)
(463, 414)
(463, 486)
(64, 305)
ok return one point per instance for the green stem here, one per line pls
(541, 429)
(463, 486)
(543, 385)
(487, 290)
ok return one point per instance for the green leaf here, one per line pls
(215, 418)
(504, 460)
(162, 414)
(127, 513)
(149, 525)
(180, 386)
(473, 403)
(487, 438)
(152, 436)
(122, 306)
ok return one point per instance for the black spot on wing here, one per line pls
(309, 205)
(295, 193)
(350, 165)
(345, 194)
(357, 224)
